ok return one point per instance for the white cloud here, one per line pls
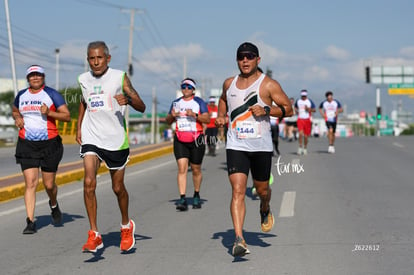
(316, 73)
(407, 52)
(336, 53)
(271, 54)
(166, 60)
(75, 49)
(190, 51)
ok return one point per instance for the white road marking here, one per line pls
(287, 208)
(398, 145)
(45, 201)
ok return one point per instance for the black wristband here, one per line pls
(283, 111)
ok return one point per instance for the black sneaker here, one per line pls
(182, 205)
(56, 214)
(240, 248)
(196, 203)
(30, 228)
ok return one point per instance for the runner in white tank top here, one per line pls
(246, 131)
(247, 99)
(103, 123)
(102, 136)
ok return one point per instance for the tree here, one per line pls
(7, 98)
(72, 97)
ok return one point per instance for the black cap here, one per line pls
(248, 47)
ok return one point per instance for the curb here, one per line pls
(17, 190)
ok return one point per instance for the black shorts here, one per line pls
(211, 135)
(114, 160)
(260, 163)
(45, 154)
(275, 132)
(330, 124)
(291, 123)
(194, 151)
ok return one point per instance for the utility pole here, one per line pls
(378, 114)
(131, 36)
(154, 117)
(130, 69)
(57, 51)
(13, 67)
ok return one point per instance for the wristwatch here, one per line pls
(267, 110)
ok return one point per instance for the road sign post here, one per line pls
(400, 80)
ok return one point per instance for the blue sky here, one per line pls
(319, 45)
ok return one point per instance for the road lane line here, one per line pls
(398, 145)
(287, 208)
(60, 196)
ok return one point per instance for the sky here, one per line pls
(317, 45)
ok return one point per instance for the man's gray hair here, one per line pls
(98, 44)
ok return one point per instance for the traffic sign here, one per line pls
(387, 75)
(401, 89)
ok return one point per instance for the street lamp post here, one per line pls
(13, 67)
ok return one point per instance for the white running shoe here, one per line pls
(300, 151)
(254, 192)
(305, 151)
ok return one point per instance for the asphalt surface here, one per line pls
(9, 167)
(346, 213)
(70, 168)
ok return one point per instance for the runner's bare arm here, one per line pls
(322, 112)
(222, 106)
(62, 113)
(278, 96)
(132, 97)
(82, 109)
(18, 118)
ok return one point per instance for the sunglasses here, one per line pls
(187, 86)
(248, 55)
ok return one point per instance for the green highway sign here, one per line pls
(401, 85)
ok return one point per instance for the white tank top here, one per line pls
(103, 124)
(247, 132)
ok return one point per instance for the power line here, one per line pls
(158, 34)
(102, 3)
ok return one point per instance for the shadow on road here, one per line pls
(251, 238)
(190, 201)
(45, 220)
(113, 239)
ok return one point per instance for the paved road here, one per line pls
(348, 213)
(9, 167)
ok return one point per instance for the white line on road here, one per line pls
(21, 208)
(398, 145)
(287, 208)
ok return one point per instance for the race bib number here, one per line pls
(100, 102)
(214, 115)
(247, 129)
(184, 125)
(330, 114)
